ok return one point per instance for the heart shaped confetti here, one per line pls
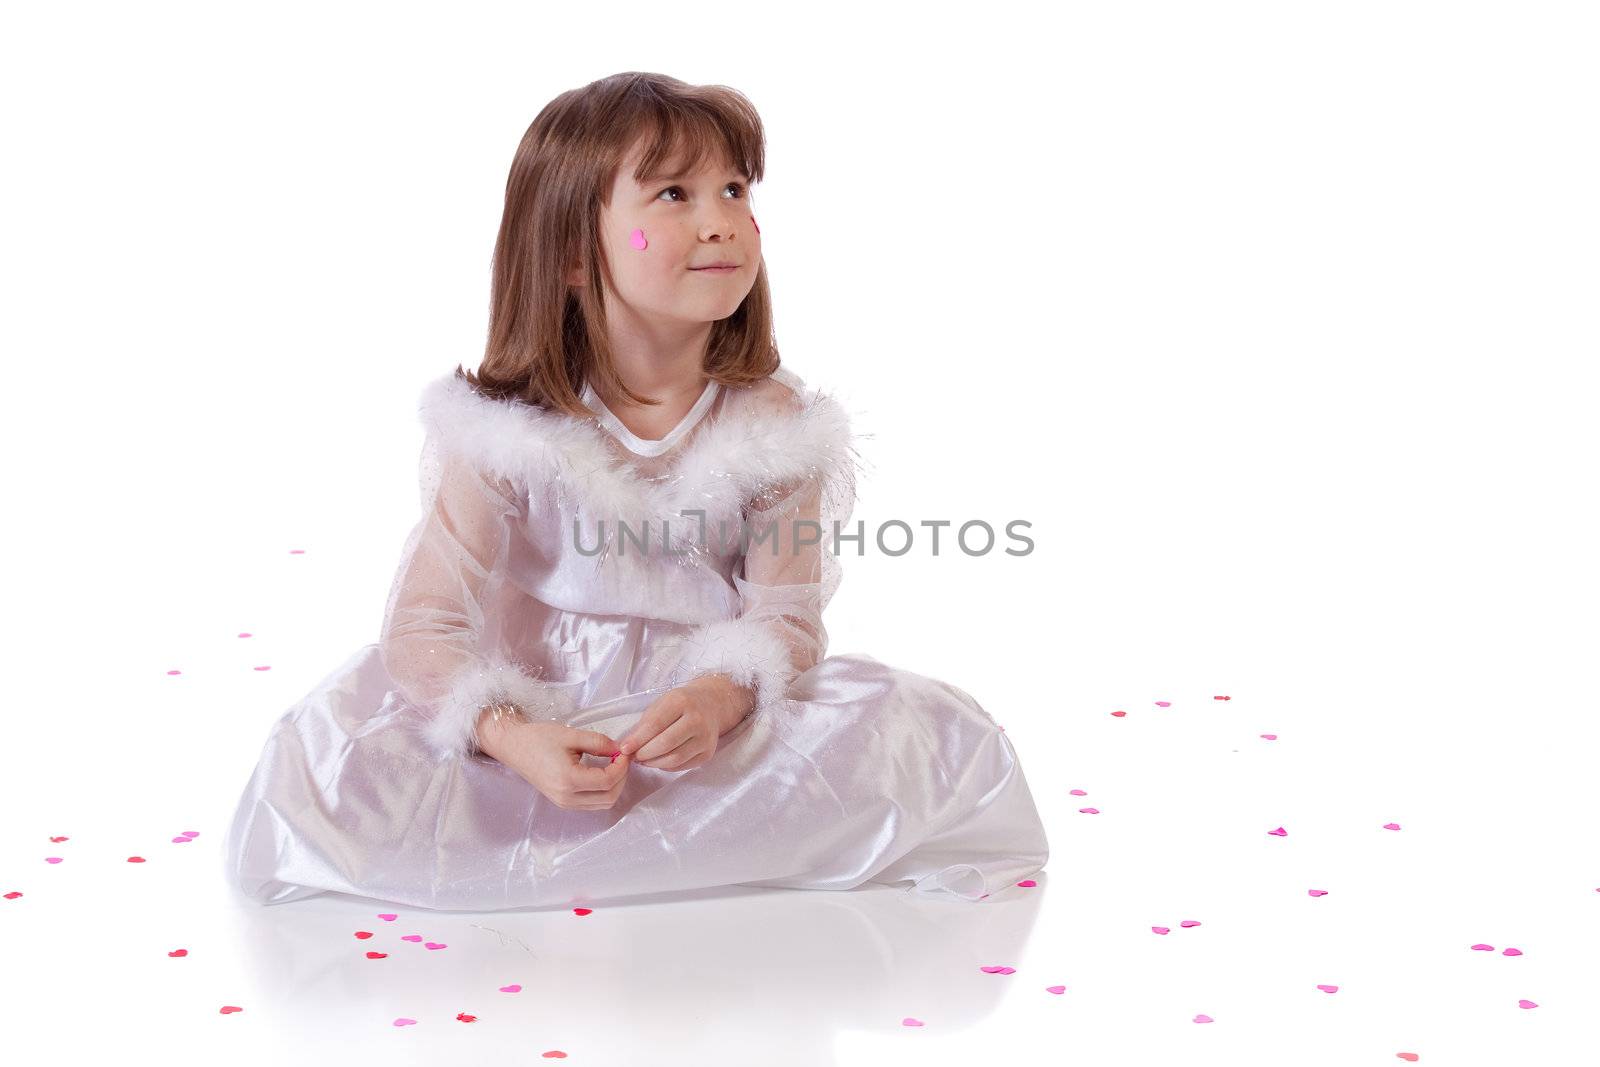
(998, 970)
(1483, 948)
(1220, 698)
(1512, 952)
(1279, 832)
(181, 840)
(1161, 929)
(413, 938)
(52, 859)
(389, 917)
(554, 1054)
(262, 668)
(909, 1021)
(174, 672)
(1391, 826)
(57, 840)
(1163, 703)
(1328, 988)
(1409, 1057)
(1057, 989)
(1027, 883)
(1119, 714)
(405, 1022)
(245, 635)
(229, 1009)
(178, 952)
(1317, 892)
(583, 911)
(464, 1017)
(1077, 793)
(1088, 811)
(1526, 1004)
(1270, 737)
(513, 988)
(1203, 1019)
(135, 859)
(1189, 922)
(435, 944)
(191, 833)
(377, 955)
(363, 934)
(13, 895)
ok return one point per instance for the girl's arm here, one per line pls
(431, 642)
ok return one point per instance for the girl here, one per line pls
(602, 666)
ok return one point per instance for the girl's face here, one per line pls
(655, 235)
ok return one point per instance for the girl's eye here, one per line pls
(678, 189)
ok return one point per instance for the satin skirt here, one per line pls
(865, 773)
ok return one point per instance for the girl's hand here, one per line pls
(681, 728)
(549, 757)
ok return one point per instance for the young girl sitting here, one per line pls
(602, 670)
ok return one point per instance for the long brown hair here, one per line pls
(544, 336)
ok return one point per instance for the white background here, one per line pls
(1275, 320)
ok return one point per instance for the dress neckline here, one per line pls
(645, 446)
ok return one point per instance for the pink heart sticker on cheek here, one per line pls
(636, 239)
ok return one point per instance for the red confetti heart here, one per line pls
(1221, 698)
(13, 895)
(363, 934)
(175, 953)
(135, 859)
(229, 1009)
(464, 1017)
(1027, 883)
(554, 1054)
(1119, 714)
(58, 840)
(583, 911)
(377, 955)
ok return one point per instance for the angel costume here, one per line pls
(577, 571)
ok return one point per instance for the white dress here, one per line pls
(848, 771)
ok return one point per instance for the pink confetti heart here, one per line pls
(1317, 892)
(181, 840)
(1270, 737)
(244, 635)
(135, 859)
(1088, 811)
(405, 1022)
(435, 944)
(261, 668)
(1409, 1057)
(513, 988)
(1391, 826)
(413, 938)
(229, 1009)
(1189, 922)
(1119, 714)
(13, 895)
(1081, 793)
(1483, 948)
(1161, 929)
(388, 917)
(297, 552)
(363, 934)
(191, 833)
(52, 859)
(1279, 832)
(1027, 883)
(57, 840)
(178, 953)
(996, 970)
(174, 672)
(1057, 989)
(909, 1021)
(1328, 988)
(1221, 698)
(1163, 703)
(1526, 1004)
(1512, 952)
(636, 240)
(1203, 1019)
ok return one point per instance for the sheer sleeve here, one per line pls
(432, 641)
(788, 573)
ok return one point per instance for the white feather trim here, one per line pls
(747, 650)
(452, 731)
(724, 466)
